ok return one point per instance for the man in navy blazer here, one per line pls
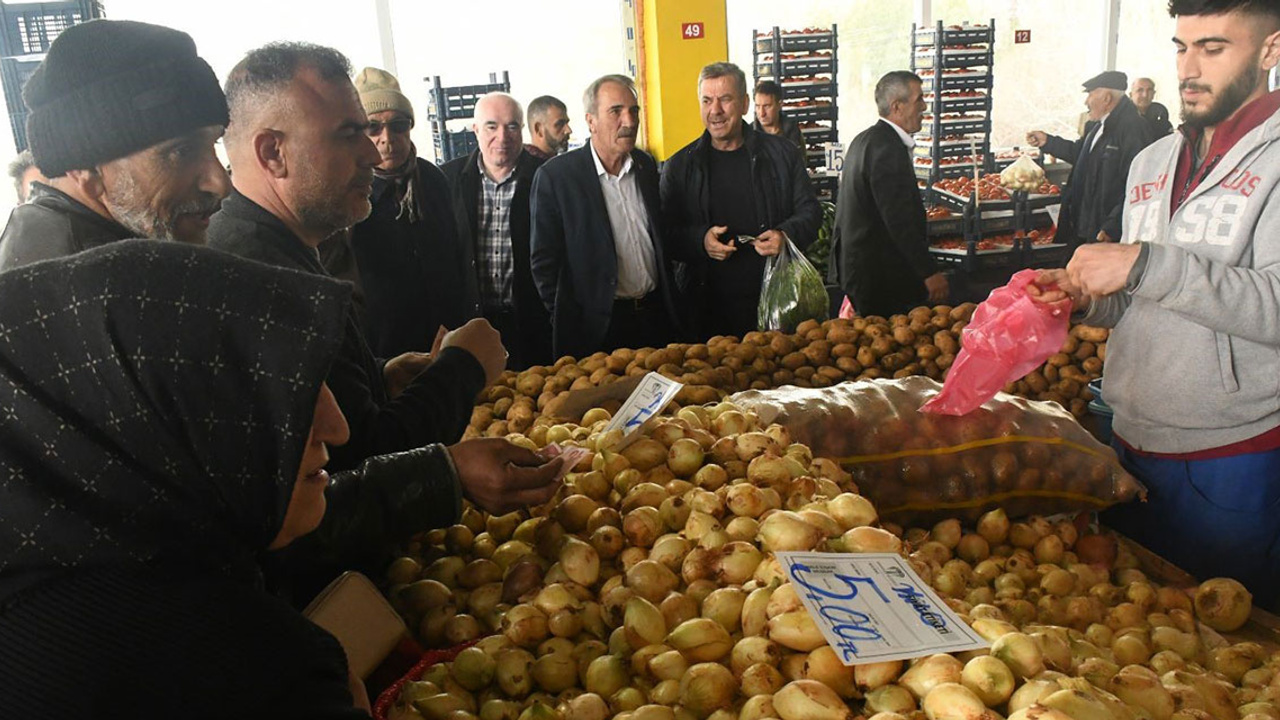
(596, 252)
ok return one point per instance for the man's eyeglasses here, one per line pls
(399, 126)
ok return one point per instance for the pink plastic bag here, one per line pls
(1009, 336)
(846, 309)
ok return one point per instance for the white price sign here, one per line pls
(835, 157)
(872, 607)
(650, 396)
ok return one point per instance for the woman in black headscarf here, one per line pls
(162, 424)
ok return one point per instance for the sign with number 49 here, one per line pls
(873, 607)
(692, 31)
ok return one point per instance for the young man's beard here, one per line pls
(1225, 103)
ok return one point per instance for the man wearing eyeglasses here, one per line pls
(405, 259)
(491, 203)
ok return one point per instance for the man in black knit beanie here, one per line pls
(123, 117)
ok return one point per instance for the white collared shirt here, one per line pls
(632, 239)
(907, 140)
(1102, 125)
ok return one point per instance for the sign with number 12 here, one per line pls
(692, 31)
(873, 607)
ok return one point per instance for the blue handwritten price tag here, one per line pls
(647, 400)
(872, 607)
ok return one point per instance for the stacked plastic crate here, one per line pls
(28, 30)
(804, 64)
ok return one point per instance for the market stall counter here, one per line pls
(652, 585)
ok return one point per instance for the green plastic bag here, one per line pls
(792, 291)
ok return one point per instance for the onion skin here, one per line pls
(989, 679)
(930, 672)
(1223, 604)
(952, 701)
(810, 700)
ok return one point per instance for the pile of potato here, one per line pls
(649, 590)
(922, 342)
(1064, 378)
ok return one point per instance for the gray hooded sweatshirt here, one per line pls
(1193, 362)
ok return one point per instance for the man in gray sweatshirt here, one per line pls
(1193, 297)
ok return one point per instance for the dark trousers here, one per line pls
(504, 321)
(1212, 518)
(638, 323)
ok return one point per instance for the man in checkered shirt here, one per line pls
(491, 201)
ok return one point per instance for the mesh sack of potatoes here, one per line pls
(1025, 456)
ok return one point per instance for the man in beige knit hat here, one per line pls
(413, 273)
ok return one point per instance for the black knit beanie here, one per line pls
(109, 88)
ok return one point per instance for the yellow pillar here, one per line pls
(680, 37)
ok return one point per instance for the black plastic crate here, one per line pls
(926, 149)
(818, 134)
(954, 59)
(811, 65)
(796, 42)
(796, 67)
(928, 173)
(975, 81)
(29, 28)
(957, 36)
(450, 145)
(971, 259)
(1046, 256)
(1037, 202)
(824, 89)
(979, 103)
(952, 126)
(952, 170)
(958, 203)
(1040, 219)
(810, 113)
(943, 227)
(1001, 222)
(459, 102)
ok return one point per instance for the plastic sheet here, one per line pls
(1025, 456)
(1009, 336)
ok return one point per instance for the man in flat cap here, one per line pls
(123, 120)
(1094, 197)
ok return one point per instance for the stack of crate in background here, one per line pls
(980, 230)
(956, 64)
(26, 31)
(804, 63)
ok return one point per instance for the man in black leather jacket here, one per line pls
(302, 166)
(123, 121)
(731, 182)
